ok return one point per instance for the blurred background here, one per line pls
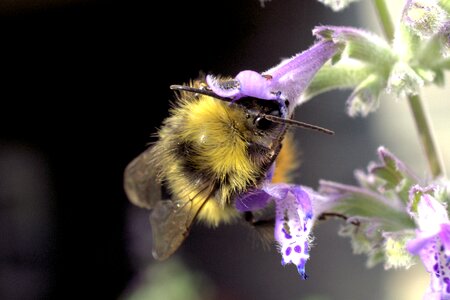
(83, 86)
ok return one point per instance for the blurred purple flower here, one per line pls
(432, 242)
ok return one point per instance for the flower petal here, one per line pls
(293, 225)
(288, 80)
(292, 76)
(428, 213)
(420, 242)
(432, 241)
(253, 200)
(438, 264)
(444, 236)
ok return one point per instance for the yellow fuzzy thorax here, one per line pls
(218, 132)
(221, 125)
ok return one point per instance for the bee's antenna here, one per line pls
(290, 122)
(198, 91)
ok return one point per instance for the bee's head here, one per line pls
(257, 112)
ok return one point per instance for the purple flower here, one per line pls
(432, 242)
(288, 80)
(293, 220)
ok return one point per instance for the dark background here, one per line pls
(84, 84)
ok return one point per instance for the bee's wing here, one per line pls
(171, 222)
(140, 182)
(263, 223)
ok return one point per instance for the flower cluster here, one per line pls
(393, 215)
(369, 65)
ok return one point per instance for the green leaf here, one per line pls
(356, 202)
(342, 75)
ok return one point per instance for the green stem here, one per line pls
(425, 135)
(385, 19)
(415, 102)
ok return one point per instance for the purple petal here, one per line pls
(253, 200)
(437, 264)
(288, 80)
(293, 76)
(432, 241)
(293, 225)
(253, 84)
(278, 191)
(303, 200)
(444, 236)
(428, 213)
(419, 243)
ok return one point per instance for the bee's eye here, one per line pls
(263, 124)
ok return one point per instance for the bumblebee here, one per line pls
(210, 151)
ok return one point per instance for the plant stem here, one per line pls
(385, 19)
(415, 103)
(426, 136)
